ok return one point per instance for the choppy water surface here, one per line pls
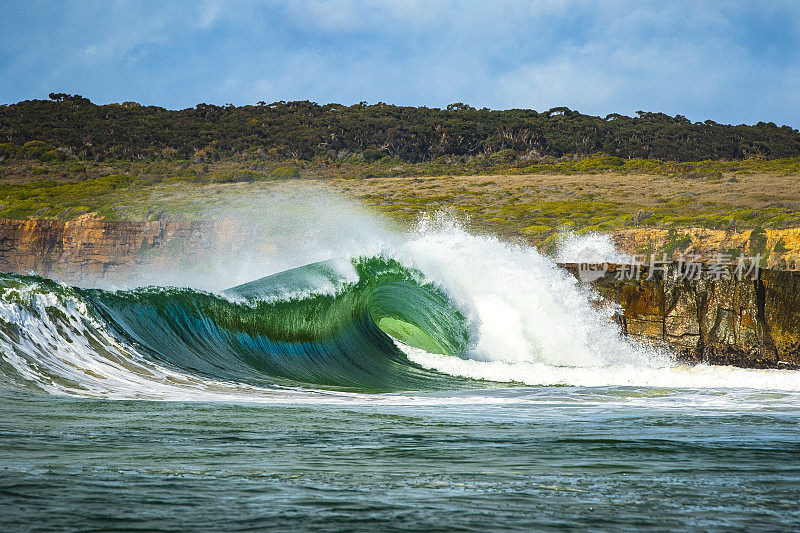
(502, 459)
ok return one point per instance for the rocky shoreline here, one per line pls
(89, 249)
(752, 322)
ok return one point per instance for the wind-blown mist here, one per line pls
(266, 231)
(588, 248)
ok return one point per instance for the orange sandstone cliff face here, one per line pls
(88, 249)
(750, 322)
(780, 248)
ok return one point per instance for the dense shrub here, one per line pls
(304, 130)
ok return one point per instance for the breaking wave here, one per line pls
(443, 310)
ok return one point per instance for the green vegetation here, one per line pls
(532, 205)
(704, 170)
(758, 241)
(305, 130)
(675, 242)
(48, 199)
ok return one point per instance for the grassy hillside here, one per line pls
(594, 193)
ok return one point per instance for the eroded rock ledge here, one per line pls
(88, 249)
(751, 322)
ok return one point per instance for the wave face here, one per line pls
(324, 325)
(440, 310)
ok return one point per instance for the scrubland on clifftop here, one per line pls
(658, 184)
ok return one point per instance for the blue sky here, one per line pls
(733, 62)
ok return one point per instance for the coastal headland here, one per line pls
(90, 193)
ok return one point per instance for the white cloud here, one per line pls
(556, 83)
(210, 12)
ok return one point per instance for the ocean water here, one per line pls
(432, 381)
(508, 459)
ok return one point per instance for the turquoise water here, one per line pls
(471, 387)
(509, 459)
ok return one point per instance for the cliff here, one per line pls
(750, 322)
(88, 249)
(779, 248)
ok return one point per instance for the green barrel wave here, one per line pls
(311, 326)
